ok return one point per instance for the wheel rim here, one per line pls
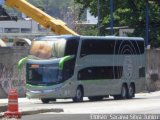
(45, 100)
(79, 94)
(124, 92)
(131, 91)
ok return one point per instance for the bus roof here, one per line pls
(91, 37)
(55, 36)
(113, 38)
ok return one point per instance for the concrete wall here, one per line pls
(9, 56)
(19, 26)
(9, 73)
(153, 70)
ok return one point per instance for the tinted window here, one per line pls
(42, 74)
(94, 73)
(71, 47)
(97, 47)
(142, 72)
(68, 69)
(90, 47)
(129, 47)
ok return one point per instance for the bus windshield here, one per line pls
(47, 74)
(46, 49)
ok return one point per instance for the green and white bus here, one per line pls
(86, 66)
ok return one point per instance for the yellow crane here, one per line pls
(55, 25)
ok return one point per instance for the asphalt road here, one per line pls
(57, 117)
(145, 104)
(93, 117)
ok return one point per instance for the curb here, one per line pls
(32, 112)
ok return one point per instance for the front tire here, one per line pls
(95, 98)
(45, 100)
(79, 95)
(123, 95)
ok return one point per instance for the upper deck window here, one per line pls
(109, 47)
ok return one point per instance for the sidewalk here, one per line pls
(26, 111)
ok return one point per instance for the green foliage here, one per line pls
(53, 7)
(87, 30)
(131, 13)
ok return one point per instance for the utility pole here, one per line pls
(147, 24)
(111, 17)
(47, 6)
(98, 14)
(74, 16)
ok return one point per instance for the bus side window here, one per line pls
(88, 47)
(142, 72)
(71, 47)
(83, 49)
(105, 72)
(97, 47)
(68, 69)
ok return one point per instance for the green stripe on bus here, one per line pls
(21, 63)
(64, 59)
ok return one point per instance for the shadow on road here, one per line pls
(69, 101)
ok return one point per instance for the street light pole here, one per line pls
(98, 14)
(74, 16)
(111, 17)
(147, 24)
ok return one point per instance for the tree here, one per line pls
(129, 13)
(55, 8)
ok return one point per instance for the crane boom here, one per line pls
(56, 26)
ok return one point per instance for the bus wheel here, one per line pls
(79, 95)
(95, 98)
(45, 100)
(131, 91)
(116, 97)
(123, 94)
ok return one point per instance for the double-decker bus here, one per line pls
(61, 67)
